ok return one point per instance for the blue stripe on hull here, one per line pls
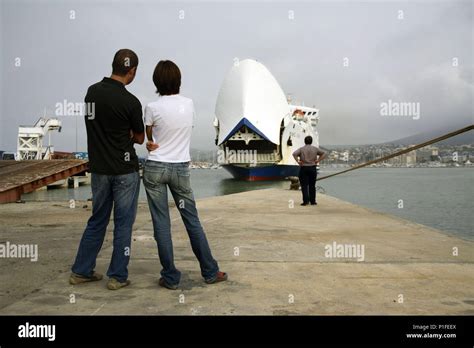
(270, 172)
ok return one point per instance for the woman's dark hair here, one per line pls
(124, 61)
(167, 78)
(308, 140)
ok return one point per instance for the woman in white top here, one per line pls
(169, 122)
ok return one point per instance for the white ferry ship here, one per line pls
(257, 127)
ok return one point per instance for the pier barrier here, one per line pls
(18, 177)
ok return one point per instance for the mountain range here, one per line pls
(461, 139)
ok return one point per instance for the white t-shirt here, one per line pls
(172, 119)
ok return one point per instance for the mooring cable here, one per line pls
(398, 153)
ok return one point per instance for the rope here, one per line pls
(398, 153)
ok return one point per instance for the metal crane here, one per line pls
(30, 139)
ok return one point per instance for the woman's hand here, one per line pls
(151, 146)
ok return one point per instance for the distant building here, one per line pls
(428, 154)
(407, 159)
(451, 158)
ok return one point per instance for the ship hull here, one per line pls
(261, 173)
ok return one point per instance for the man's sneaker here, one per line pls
(75, 279)
(220, 277)
(114, 284)
(167, 285)
(303, 204)
(314, 203)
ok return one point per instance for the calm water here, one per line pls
(438, 197)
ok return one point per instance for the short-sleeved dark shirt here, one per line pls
(115, 112)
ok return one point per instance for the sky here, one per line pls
(346, 58)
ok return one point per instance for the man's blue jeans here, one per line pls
(120, 193)
(157, 177)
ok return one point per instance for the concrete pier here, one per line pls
(275, 251)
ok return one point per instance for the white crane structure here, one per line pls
(30, 139)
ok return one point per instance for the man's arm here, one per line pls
(296, 156)
(138, 138)
(321, 156)
(137, 132)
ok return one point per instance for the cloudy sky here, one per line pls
(344, 57)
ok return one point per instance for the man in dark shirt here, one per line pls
(114, 124)
(307, 157)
